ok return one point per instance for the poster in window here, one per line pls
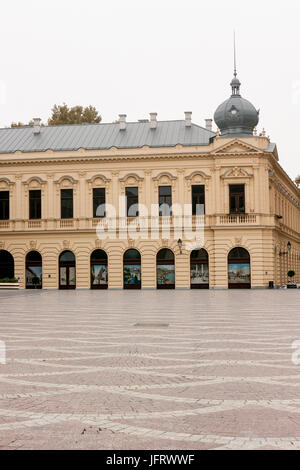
(132, 274)
(239, 273)
(99, 274)
(199, 274)
(165, 274)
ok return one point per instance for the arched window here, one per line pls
(132, 269)
(98, 270)
(67, 270)
(199, 269)
(165, 269)
(7, 265)
(33, 270)
(239, 274)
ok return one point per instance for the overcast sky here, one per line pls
(168, 56)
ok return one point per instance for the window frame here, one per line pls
(5, 206)
(37, 204)
(162, 200)
(64, 198)
(198, 196)
(238, 195)
(101, 198)
(131, 200)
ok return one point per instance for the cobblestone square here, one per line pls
(150, 369)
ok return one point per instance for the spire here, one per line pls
(234, 51)
(235, 83)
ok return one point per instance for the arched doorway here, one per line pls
(132, 269)
(98, 270)
(7, 265)
(67, 270)
(199, 269)
(33, 266)
(239, 274)
(165, 269)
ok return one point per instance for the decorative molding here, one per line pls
(65, 178)
(98, 243)
(99, 181)
(99, 176)
(131, 243)
(2, 245)
(236, 172)
(200, 173)
(131, 176)
(34, 182)
(33, 244)
(196, 177)
(6, 183)
(66, 243)
(236, 146)
(164, 175)
(131, 179)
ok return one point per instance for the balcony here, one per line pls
(139, 223)
(237, 219)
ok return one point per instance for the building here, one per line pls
(55, 180)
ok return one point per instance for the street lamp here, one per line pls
(289, 246)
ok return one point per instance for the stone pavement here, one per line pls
(150, 370)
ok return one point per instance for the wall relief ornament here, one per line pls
(33, 244)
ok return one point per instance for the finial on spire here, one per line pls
(234, 51)
(235, 83)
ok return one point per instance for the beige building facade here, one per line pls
(249, 204)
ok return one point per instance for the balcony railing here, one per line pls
(140, 223)
(237, 219)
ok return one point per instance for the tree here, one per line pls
(291, 273)
(20, 124)
(62, 114)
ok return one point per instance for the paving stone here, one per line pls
(100, 370)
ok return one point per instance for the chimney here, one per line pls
(188, 118)
(122, 119)
(208, 124)
(153, 120)
(36, 125)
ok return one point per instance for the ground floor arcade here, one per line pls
(69, 261)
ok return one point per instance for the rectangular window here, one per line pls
(66, 203)
(165, 200)
(237, 198)
(35, 204)
(198, 199)
(99, 202)
(132, 198)
(4, 205)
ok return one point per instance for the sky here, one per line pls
(164, 56)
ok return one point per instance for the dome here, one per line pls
(236, 116)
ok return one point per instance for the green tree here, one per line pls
(20, 124)
(62, 114)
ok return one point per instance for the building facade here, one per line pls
(98, 206)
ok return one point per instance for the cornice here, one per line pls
(119, 158)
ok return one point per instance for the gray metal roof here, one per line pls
(102, 136)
